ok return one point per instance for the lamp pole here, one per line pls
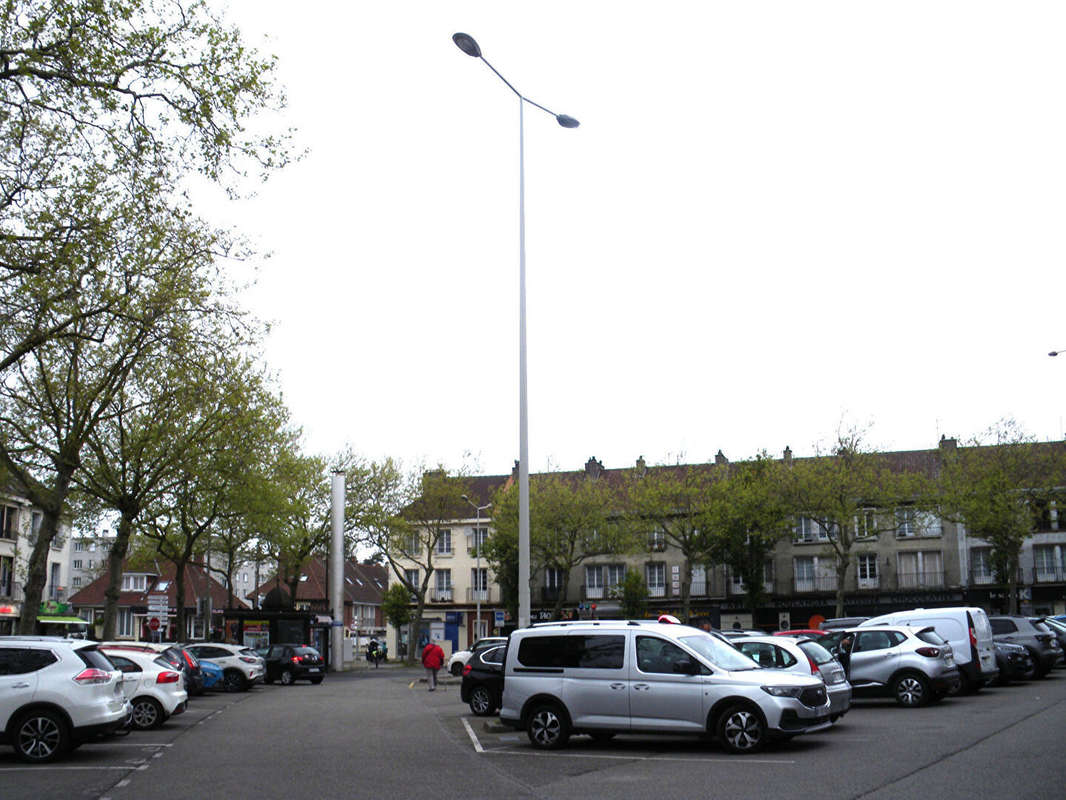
(467, 44)
(477, 556)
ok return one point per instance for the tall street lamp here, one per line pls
(467, 44)
(477, 555)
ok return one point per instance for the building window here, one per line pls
(411, 576)
(443, 593)
(1048, 561)
(77, 563)
(444, 542)
(910, 522)
(613, 575)
(699, 581)
(7, 571)
(130, 583)
(657, 541)
(920, 569)
(865, 524)
(477, 538)
(79, 546)
(124, 626)
(36, 520)
(553, 577)
(806, 530)
(981, 565)
(8, 517)
(92, 565)
(866, 569)
(655, 577)
(75, 581)
(594, 582)
(413, 545)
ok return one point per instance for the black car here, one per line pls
(294, 662)
(482, 685)
(1035, 637)
(1014, 662)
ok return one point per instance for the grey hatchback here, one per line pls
(1035, 637)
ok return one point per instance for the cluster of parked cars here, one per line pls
(744, 688)
(57, 693)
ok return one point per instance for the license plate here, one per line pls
(313, 669)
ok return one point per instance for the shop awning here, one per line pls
(63, 620)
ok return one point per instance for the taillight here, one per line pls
(928, 652)
(188, 659)
(297, 659)
(814, 667)
(973, 638)
(167, 677)
(248, 660)
(88, 677)
(466, 669)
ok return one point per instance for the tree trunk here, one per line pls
(179, 618)
(842, 574)
(415, 630)
(115, 560)
(37, 571)
(557, 612)
(1012, 587)
(686, 590)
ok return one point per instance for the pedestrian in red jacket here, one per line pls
(432, 660)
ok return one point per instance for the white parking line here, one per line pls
(129, 744)
(697, 759)
(473, 737)
(50, 768)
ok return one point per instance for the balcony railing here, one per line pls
(929, 579)
(593, 592)
(982, 578)
(865, 584)
(479, 595)
(440, 595)
(549, 594)
(657, 591)
(1049, 575)
(827, 583)
(57, 593)
(698, 589)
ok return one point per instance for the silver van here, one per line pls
(608, 677)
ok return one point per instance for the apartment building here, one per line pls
(19, 524)
(88, 557)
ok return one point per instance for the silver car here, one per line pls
(606, 677)
(804, 657)
(913, 665)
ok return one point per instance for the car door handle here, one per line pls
(20, 686)
(618, 686)
(641, 687)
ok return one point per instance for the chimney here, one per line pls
(642, 466)
(948, 445)
(788, 456)
(514, 471)
(719, 458)
(593, 468)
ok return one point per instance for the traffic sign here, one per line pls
(153, 623)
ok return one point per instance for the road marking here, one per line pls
(695, 759)
(473, 736)
(50, 768)
(128, 744)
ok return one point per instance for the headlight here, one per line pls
(784, 691)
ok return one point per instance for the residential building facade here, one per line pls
(19, 524)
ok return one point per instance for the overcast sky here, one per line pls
(775, 217)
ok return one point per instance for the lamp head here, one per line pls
(566, 122)
(466, 43)
(1053, 353)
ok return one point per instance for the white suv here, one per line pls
(154, 687)
(56, 693)
(240, 667)
(608, 677)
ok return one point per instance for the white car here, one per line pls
(241, 667)
(460, 657)
(56, 693)
(804, 657)
(155, 689)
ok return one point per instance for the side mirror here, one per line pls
(686, 667)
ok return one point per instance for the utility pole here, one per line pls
(336, 572)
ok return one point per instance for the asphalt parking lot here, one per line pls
(380, 734)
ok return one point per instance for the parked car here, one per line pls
(460, 657)
(804, 633)
(482, 685)
(294, 662)
(559, 680)
(1041, 643)
(240, 670)
(966, 629)
(175, 654)
(212, 675)
(55, 694)
(1015, 663)
(154, 688)
(913, 665)
(840, 623)
(739, 633)
(804, 657)
(1057, 627)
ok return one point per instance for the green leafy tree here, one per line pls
(396, 606)
(632, 595)
(849, 495)
(992, 487)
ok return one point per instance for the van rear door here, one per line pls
(985, 645)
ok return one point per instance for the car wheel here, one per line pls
(1031, 673)
(547, 728)
(911, 690)
(286, 678)
(41, 736)
(741, 730)
(147, 713)
(316, 681)
(233, 681)
(456, 669)
(481, 701)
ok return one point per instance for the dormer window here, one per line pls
(131, 583)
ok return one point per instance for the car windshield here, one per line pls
(719, 653)
(815, 652)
